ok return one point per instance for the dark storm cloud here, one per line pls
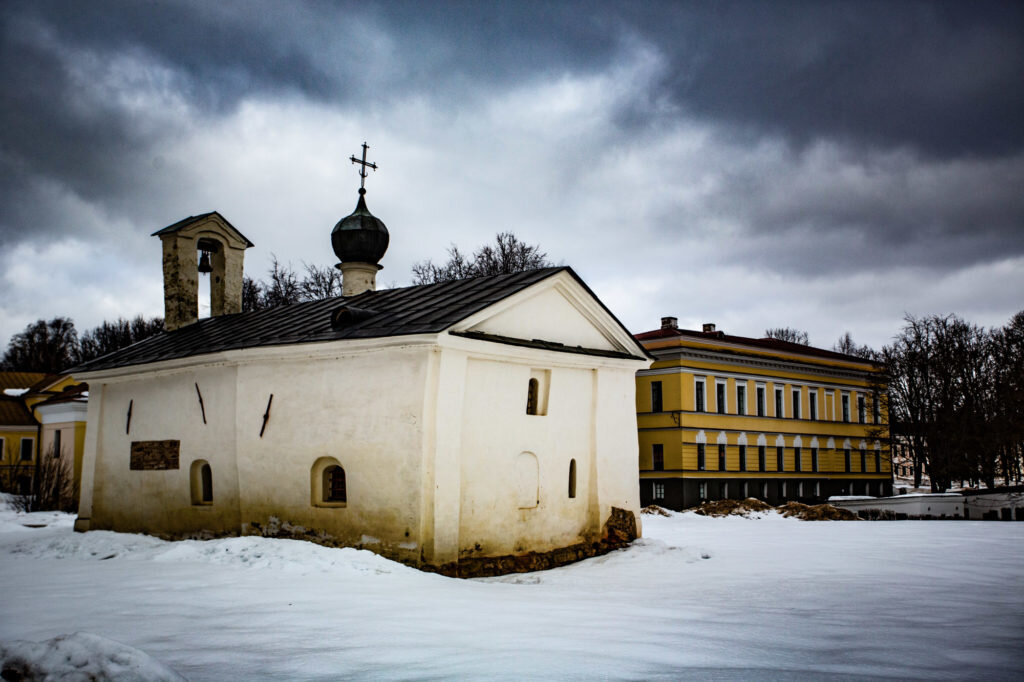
(96, 93)
(942, 77)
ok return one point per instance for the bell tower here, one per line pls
(222, 250)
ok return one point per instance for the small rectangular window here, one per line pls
(741, 399)
(700, 456)
(658, 456)
(56, 444)
(779, 413)
(863, 460)
(796, 403)
(2, 443)
(702, 490)
(698, 393)
(761, 464)
(27, 445)
(876, 413)
(796, 459)
(846, 458)
(721, 456)
(656, 396)
(878, 461)
(813, 405)
(537, 390)
(780, 460)
(720, 404)
(846, 407)
(814, 459)
(659, 491)
(743, 457)
(861, 413)
(760, 401)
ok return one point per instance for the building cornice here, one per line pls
(761, 363)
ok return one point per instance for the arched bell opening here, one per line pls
(210, 293)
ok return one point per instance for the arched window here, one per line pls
(201, 482)
(531, 397)
(328, 483)
(334, 485)
(572, 478)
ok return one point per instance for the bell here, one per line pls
(204, 263)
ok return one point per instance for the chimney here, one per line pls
(669, 323)
(709, 328)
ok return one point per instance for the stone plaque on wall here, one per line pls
(151, 455)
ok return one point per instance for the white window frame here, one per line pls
(844, 407)
(658, 491)
(763, 387)
(741, 405)
(798, 392)
(812, 404)
(780, 400)
(724, 383)
(703, 381)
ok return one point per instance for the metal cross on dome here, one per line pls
(362, 171)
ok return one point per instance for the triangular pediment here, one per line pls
(558, 310)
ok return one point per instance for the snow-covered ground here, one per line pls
(726, 598)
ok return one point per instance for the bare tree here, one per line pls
(53, 488)
(506, 255)
(283, 288)
(940, 398)
(788, 334)
(252, 294)
(320, 283)
(111, 336)
(847, 346)
(43, 347)
(1008, 400)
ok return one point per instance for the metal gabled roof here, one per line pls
(424, 309)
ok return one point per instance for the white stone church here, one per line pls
(473, 427)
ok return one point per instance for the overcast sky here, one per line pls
(825, 166)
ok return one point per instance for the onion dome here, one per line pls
(360, 237)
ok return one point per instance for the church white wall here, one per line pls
(164, 407)
(362, 408)
(617, 461)
(496, 431)
(588, 419)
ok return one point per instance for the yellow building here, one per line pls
(730, 417)
(39, 414)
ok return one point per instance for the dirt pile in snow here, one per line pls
(655, 510)
(817, 512)
(733, 507)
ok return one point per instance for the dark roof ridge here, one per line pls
(764, 342)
